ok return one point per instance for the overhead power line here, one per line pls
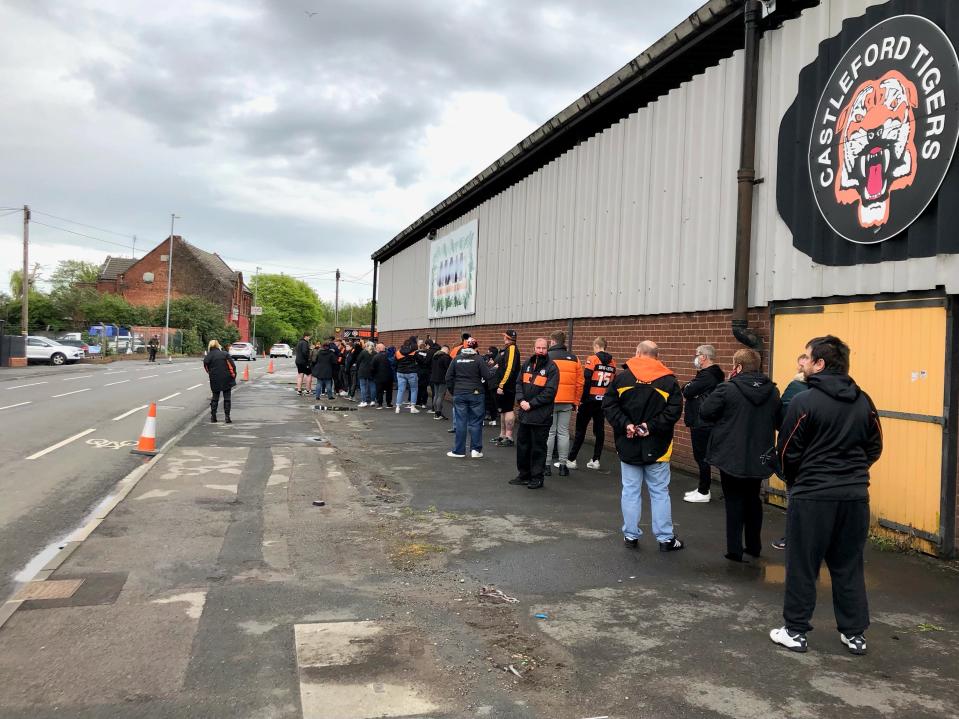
(81, 224)
(81, 234)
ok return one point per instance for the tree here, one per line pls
(290, 307)
(73, 290)
(113, 309)
(71, 272)
(193, 313)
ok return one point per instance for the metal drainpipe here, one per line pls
(373, 303)
(746, 179)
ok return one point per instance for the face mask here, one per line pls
(697, 363)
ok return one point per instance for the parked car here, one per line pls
(281, 350)
(75, 343)
(40, 349)
(242, 350)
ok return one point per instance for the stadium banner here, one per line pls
(452, 285)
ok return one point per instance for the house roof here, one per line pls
(114, 266)
(212, 262)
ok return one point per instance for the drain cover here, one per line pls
(332, 408)
(50, 589)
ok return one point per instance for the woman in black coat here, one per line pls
(222, 372)
(745, 412)
(382, 372)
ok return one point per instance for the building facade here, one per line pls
(765, 173)
(195, 272)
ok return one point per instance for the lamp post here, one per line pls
(256, 288)
(169, 283)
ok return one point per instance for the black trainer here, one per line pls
(856, 643)
(496, 440)
(671, 545)
(793, 641)
(563, 470)
(547, 472)
(630, 543)
(535, 485)
(507, 443)
(519, 480)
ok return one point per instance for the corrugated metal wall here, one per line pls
(640, 219)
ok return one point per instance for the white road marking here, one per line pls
(21, 386)
(194, 386)
(76, 391)
(119, 381)
(115, 371)
(63, 443)
(79, 376)
(169, 396)
(148, 376)
(174, 371)
(18, 404)
(132, 411)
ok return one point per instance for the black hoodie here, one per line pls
(697, 390)
(830, 438)
(745, 411)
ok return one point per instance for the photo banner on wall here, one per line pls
(452, 283)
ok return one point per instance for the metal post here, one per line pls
(25, 284)
(336, 304)
(256, 289)
(373, 301)
(169, 283)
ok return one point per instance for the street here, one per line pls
(66, 438)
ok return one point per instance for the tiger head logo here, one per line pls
(877, 148)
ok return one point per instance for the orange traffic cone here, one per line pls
(269, 368)
(246, 373)
(148, 437)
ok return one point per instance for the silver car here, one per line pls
(40, 349)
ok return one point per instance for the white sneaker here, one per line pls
(361, 404)
(453, 454)
(413, 410)
(343, 393)
(793, 642)
(476, 455)
(570, 464)
(397, 409)
(696, 497)
(592, 464)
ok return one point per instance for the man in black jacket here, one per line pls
(643, 406)
(301, 356)
(382, 374)
(830, 438)
(324, 370)
(708, 376)
(507, 369)
(466, 378)
(746, 412)
(536, 388)
(439, 363)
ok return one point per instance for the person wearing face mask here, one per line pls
(709, 375)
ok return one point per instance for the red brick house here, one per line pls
(195, 272)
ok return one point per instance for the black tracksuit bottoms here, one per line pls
(589, 411)
(384, 393)
(699, 437)
(744, 514)
(531, 450)
(836, 531)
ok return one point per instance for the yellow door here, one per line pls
(898, 353)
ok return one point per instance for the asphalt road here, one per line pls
(65, 440)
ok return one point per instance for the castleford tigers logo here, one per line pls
(885, 129)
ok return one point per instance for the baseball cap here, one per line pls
(510, 333)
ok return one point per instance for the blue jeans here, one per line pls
(324, 386)
(468, 410)
(367, 390)
(656, 476)
(406, 381)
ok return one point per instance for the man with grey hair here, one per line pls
(709, 375)
(643, 405)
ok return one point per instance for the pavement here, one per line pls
(217, 588)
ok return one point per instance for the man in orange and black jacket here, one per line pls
(535, 390)
(567, 396)
(599, 371)
(643, 405)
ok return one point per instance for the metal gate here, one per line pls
(898, 355)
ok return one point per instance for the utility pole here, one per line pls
(169, 284)
(336, 304)
(256, 290)
(134, 252)
(25, 287)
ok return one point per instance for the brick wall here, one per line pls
(677, 335)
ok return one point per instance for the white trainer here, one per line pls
(413, 410)
(454, 454)
(592, 464)
(397, 409)
(361, 404)
(695, 497)
(476, 455)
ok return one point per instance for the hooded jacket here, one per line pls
(746, 412)
(467, 373)
(830, 437)
(438, 366)
(537, 384)
(222, 370)
(324, 363)
(599, 371)
(364, 364)
(695, 393)
(406, 357)
(645, 391)
(301, 354)
(570, 389)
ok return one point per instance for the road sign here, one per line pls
(256, 310)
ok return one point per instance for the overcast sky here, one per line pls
(294, 135)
